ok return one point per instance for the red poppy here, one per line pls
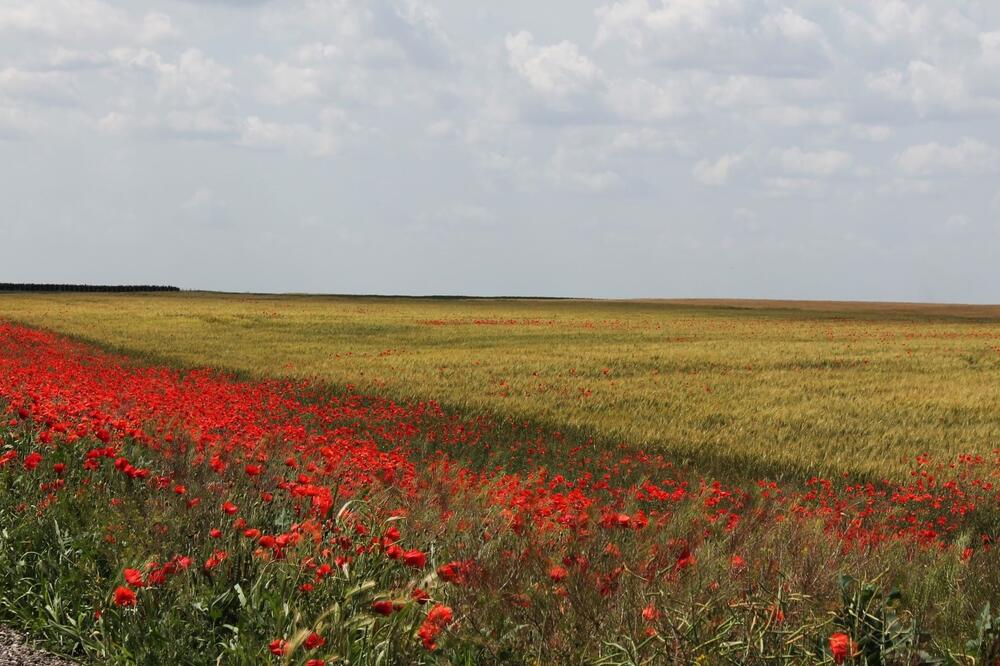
(383, 607)
(124, 597)
(32, 460)
(437, 619)
(841, 647)
(414, 558)
(134, 577)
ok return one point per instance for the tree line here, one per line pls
(14, 286)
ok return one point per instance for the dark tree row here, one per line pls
(10, 286)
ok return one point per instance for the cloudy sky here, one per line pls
(730, 148)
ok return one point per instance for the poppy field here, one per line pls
(204, 479)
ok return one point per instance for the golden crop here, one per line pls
(749, 387)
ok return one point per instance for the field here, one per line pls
(200, 478)
(774, 389)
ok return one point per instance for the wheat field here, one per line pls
(767, 388)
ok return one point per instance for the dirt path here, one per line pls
(15, 650)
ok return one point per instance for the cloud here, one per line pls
(44, 87)
(719, 35)
(642, 100)
(461, 214)
(967, 157)
(205, 207)
(557, 70)
(957, 221)
(822, 163)
(717, 172)
(405, 32)
(15, 124)
(193, 81)
(70, 21)
(284, 83)
(320, 140)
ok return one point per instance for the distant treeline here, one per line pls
(11, 286)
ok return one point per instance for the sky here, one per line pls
(633, 148)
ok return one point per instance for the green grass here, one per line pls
(777, 389)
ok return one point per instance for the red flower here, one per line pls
(414, 558)
(316, 662)
(277, 647)
(124, 597)
(32, 460)
(558, 574)
(420, 595)
(841, 647)
(453, 572)
(229, 508)
(437, 619)
(134, 577)
(383, 607)
(314, 641)
(649, 613)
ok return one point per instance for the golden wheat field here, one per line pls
(772, 388)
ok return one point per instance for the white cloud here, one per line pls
(967, 157)
(556, 70)
(642, 100)
(284, 83)
(906, 187)
(51, 87)
(320, 140)
(574, 170)
(957, 221)
(59, 18)
(460, 213)
(156, 26)
(821, 163)
(16, 124)
(715, 34)
(873, 133)
(80, 20)
(708, 172)
(194, 80)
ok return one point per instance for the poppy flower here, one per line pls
(382, 607)
(314, 641)
(32, 460)
(414, 558)
(841, 647)
(125, 597)
(437, 619)
(133, 577)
